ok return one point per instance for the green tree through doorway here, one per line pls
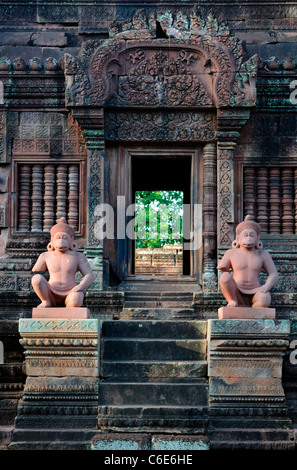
(158, 218)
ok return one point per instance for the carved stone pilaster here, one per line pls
(225, 214)
(209, 218)
(230, 122)
(94, 251)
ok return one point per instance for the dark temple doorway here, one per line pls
(168, 176)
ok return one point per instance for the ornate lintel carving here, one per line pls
(219, 77)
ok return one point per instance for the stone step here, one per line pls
(239, 434)
(161, 314)
(188, 393)
(6, 434)
(151, 349)
(164, 296)
(165, 418)
(49, 435)
(153, 410)
(160, 284)
(149, 304)
(155, 329)
(153, 369)
(252, 445)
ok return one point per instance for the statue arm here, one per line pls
(40, 265)
(225, 263)
(88, 275)
(270, 269)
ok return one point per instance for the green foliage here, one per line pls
(158, 218)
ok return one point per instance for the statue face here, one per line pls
(61, 241)
(248, 239)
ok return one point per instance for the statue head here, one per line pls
(62, 237)
(248, 234)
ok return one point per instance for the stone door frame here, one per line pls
(103, 92)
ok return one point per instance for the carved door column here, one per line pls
(209, 218)
(95, 176)
(225, 215)
(230, 122)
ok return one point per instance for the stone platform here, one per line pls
(61, 312)
(246, 313)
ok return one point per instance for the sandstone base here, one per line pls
(61, 312)
(246, 313)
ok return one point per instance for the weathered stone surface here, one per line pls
(246, 312)
(154, 369)
(49, 39)
(62, 371)
(179, 443)
(245, 366)
(57, 14)
(61, 312)
(245, 380)
(147, 349)
(120, 442)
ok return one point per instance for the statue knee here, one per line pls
(261, 299)
(37, 279)
(74, 299)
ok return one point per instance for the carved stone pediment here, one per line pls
(163, 77)
(197, 62)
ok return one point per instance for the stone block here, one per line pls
(179, 443)
(13, 39)
(245, 387)
(187, 393)
(153, 369)
(236, 328)
(246, 313)
(185, 419)
(57, 14)
(120, 442)
(5, 434)
(61, 312)
(61, 387)
(155, 329)
(146, 349)
(62, 372)
(62, 366)
(245, 383)
(49, 39)
(245, 366)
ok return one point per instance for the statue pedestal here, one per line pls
(247, 403)
(61, 312)
(60, 401)
(246, 313)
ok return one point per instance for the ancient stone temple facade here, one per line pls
(97, 101)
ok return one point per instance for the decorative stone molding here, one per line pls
(160, 126)
(246, 396)
(209, 217)
(62, 371)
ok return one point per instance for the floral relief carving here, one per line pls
(202, 65)
(160, 79)
(138, 126)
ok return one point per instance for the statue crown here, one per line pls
(248, 223)
(62, 226)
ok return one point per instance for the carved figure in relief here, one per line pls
(62, 262)
(247, 259)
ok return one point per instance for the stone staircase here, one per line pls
(158, 305)
(153, 376)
